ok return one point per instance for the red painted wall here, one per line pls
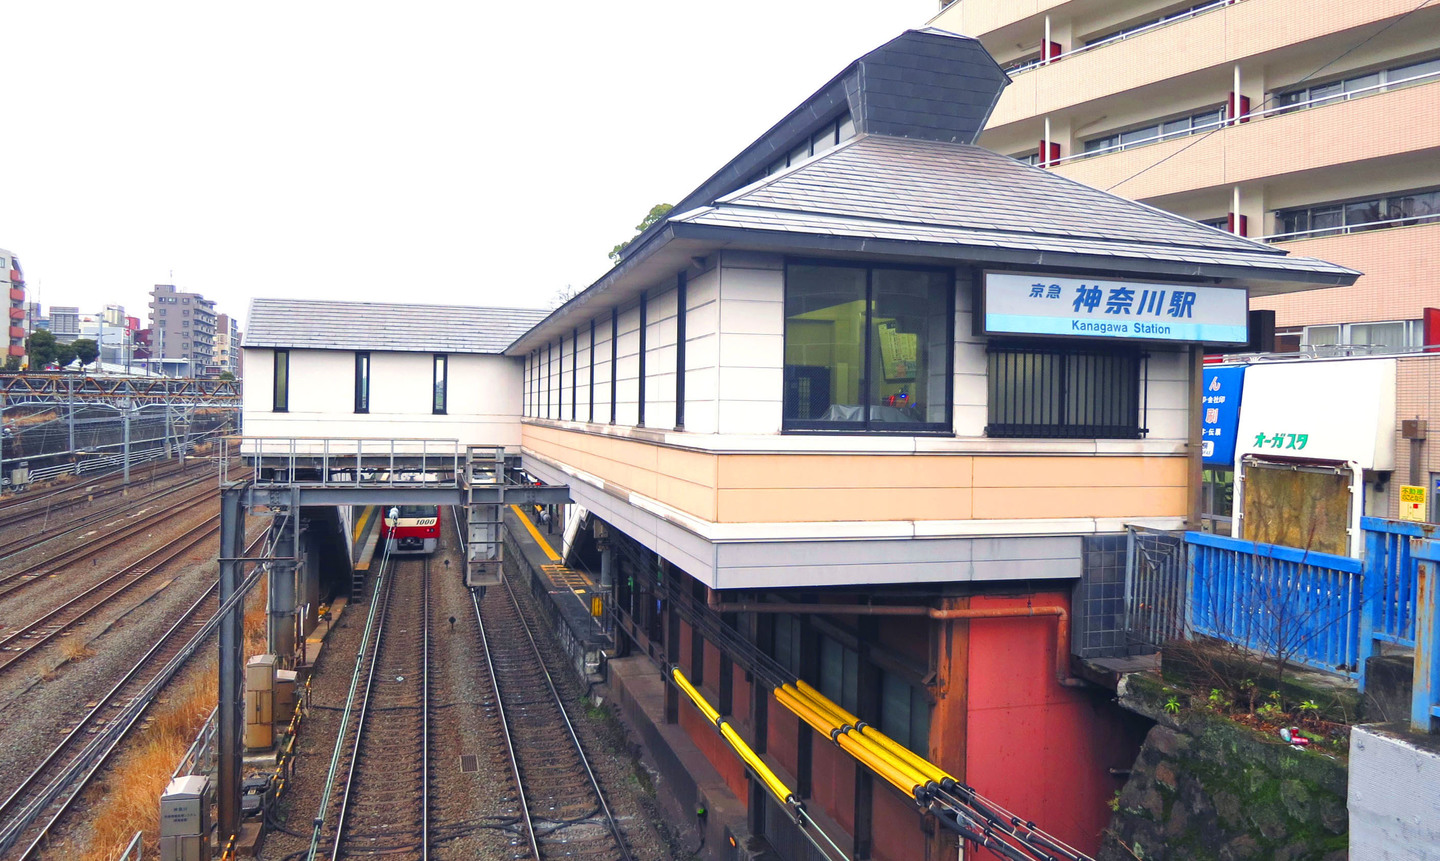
(1039, 749)
(833, 781)
(715, 748)
(896, 826)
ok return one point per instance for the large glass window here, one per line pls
(867, 348)
(904, 713)
(840, 674)
(281, 393)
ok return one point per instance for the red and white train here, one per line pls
(411, 528)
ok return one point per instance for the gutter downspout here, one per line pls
(1062, 627)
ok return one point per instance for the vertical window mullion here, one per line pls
(640, 377)
(614, 361)
(867, 382)
(680, 303)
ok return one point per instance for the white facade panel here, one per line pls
(584, 356)
(661, 331)
(627, 368)
(604, 333)
(483, 395)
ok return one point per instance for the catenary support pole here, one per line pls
(232, 538)
(126, 458)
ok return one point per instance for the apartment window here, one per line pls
(362, 382)
(1222, 223)
(1211, 118)
(440, 384)
(1063, 392)
(1030, 158)
(1372, 213)
(1363, 338)
(161, 312)
(280, 397)
(1368, 83)
(867, 348)
(1151, 23)
(904, 713)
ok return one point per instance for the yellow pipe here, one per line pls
(772, 782)
(804, 712)
(888, 750)
(916, 761)
(905, 777)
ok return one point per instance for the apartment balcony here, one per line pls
(1398, 282)
(1328, 136)
(1215, 40)
(17, 294)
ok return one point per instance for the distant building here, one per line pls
(14, 279)
(183, 327)
(65, 323)
(227, 344)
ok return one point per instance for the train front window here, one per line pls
(412, 511)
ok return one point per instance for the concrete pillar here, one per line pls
(280, 614)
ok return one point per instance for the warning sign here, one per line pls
(1413, 503)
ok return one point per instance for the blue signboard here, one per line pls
(1220, 403)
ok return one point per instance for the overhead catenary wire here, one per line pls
(1342, 55)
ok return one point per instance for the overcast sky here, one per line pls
(483, 153)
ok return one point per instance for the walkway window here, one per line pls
(1403, 209)
(280, 402)
(867, 349)
(362, 382)
(1064, 392)
(440, 384)
(840, 674)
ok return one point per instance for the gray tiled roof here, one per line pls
(958, 194)
(384, 326)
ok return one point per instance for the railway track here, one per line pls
(56, 500)
(380, 768)
(71, 525)
(29, 637)
(33, 808)
(19, 577)
(563, 812)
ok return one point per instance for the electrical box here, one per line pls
(260, 673)
(185, 819)
(284, 695)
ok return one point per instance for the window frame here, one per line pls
(1066, 349)
(362, 382)
(945, 427)
(440, 384)
(280, 382)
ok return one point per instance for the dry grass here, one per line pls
(130, 799)
(75, 649)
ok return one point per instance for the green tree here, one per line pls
(86, 350)
(42, 348)
(657, 212)
(64, 355)
(12, 363)
(227, 376)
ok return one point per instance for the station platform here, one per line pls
(532, 554)
(365, 537)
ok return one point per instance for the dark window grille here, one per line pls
(1064, 392)
(280, 394)
(362, 382)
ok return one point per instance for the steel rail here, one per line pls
(94, 517)
(159, 558)
(425, 718)
(97, 753)
(505, 730)
(569, 726)
(103, 542)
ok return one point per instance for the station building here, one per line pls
(868, 411)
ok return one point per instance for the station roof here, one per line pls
(385, 327)
(911, 186)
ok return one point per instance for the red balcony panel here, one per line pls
(17, 294)
(17, 313)
(17, 332)
(16, 350)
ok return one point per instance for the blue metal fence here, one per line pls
(1278, 600)
(1392, 581)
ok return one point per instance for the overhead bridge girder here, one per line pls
(48, 389)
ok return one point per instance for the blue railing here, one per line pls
(1393, 577)
(1278, 600)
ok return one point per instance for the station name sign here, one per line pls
(1020, 304)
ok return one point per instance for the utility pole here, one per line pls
(70, 402)
(125, 405)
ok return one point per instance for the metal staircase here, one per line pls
(485, 536)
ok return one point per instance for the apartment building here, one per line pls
(183, 327)
(16, 329)
(1313, 125)
(227, 344)
(65, 323)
